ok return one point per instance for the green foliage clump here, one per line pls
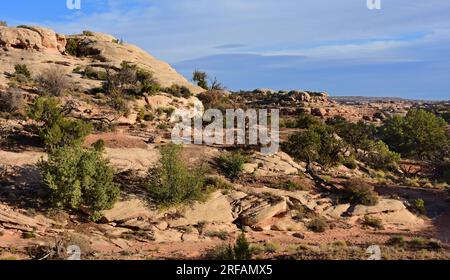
(419, 134)
(232, 163)
(316, 144)
(374, 222)
(306, 121)
(318, 225)
(380, 157)
(22, 69)
(350, 163)
(357, 135)
(357, 191)
(171, 182)
(419, 205)
(201, 79)
(3, 23)
(88, 33)
(57, 131)
(72, 47)
(240, 251)
(178, 91)
(128, 81)
(78, 177)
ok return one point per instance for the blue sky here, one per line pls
(342, 47)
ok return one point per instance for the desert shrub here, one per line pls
(171, 182)
(22, 69)
(88, 33)
(357, 191)
(396, 240)
(305, 121)
(373, 222)
(129, 80)
(53, 82)
(178, 91)
(292, 186)
(215, 99)
(218, 183)
(318, 225)
(76, 177)
(232, 163)
(357, 135)
(12, 100)
(316, 144)
(350, 163)
(72, 47)
(66, 132)
(221, 234)
(380, 157)
(57, 130)
(271, 247)
(419, 205)
(93, 74)
(3, 23)
(99, 145)
(239, 251)
(420, 134)
(201, 79)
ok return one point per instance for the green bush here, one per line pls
(373, 222)
(171, 182)
(3, 23)
(419, 205)
(357, 191)
(88, 33)
(318, 143)
(420, 134)
(72, 47)
(232, 164)
(396, 240)
(240, 251)
(78, 177)
(201, 79)
(129, 80)
(57, 131)
(305, 121)
(318, 225)
(178, 91)
(22, 69)
(350, 163)
(380, 157)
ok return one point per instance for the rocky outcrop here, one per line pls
(384, 205)
(273, 165)
(31, 38)
(127, 210)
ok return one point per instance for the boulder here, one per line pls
(318, 112)
(262, 213)
(384, 205)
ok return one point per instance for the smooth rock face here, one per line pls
(337, 211)
(262, 213)
(127, 210)
(31, 38)
(217, 209)
(384, 205)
